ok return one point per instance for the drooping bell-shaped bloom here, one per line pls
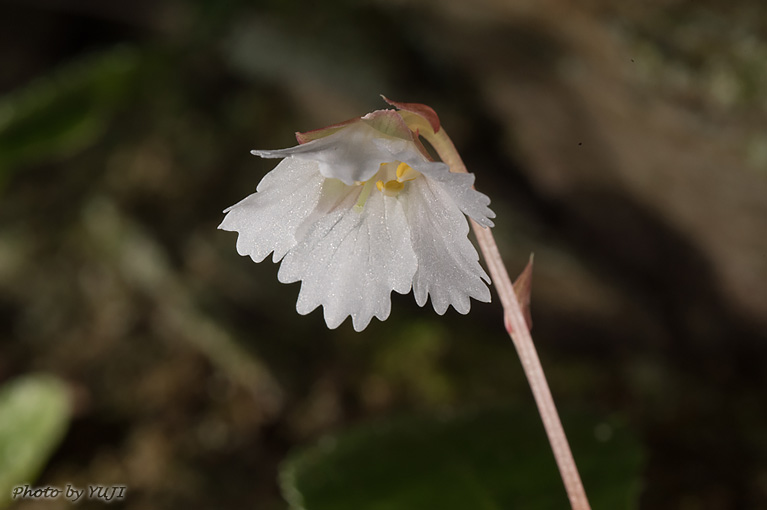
(358, 210)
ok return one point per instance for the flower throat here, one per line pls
(391, 187)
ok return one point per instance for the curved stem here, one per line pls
(520, 334)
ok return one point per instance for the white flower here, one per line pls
(359, 210)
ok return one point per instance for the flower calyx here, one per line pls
(407, 122)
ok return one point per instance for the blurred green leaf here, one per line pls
(34, 413)
(63, 112)
(491, 459)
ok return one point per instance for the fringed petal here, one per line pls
(459, 187)
(267, 220)
(448, 264)
(349, 260)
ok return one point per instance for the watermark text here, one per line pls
(105, 493)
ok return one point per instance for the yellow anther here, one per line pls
(390, 188)
(406, 173)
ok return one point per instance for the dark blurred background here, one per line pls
(624, 143)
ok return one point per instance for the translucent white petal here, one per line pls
(267, 220)
(349, 154)
(448, 264)
(350, 261)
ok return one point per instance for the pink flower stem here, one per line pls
(520, 335)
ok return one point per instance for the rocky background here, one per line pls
(624, 143)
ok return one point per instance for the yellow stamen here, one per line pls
(406, 173)
(390, 188)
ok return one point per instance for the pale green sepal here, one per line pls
(390, 123)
